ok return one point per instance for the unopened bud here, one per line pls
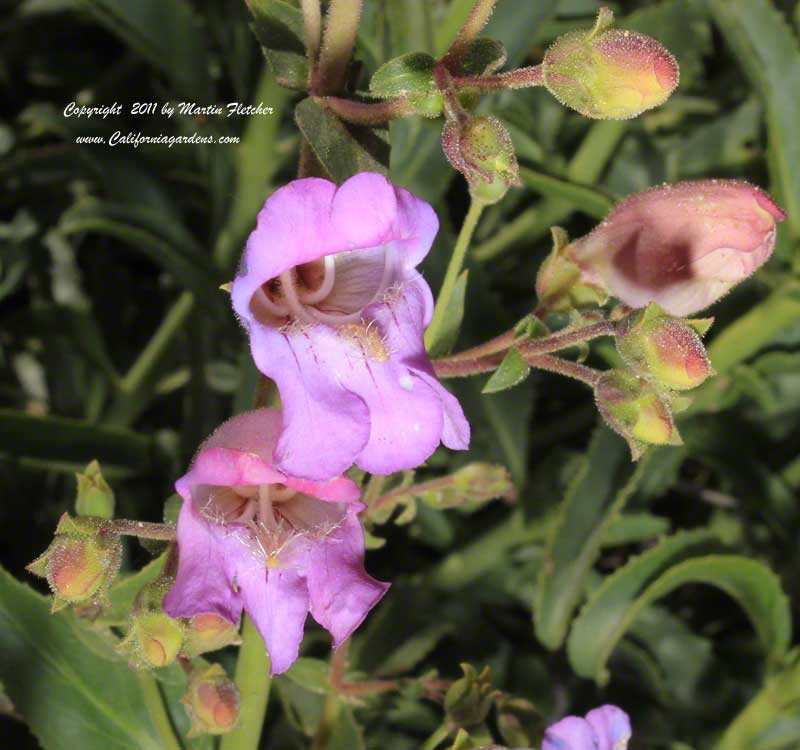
(682, 246)
(560, 285)
(481, 149)
(632, 407)
(154, 640)
(212, 701)
(470, 698)
(609, 73)
(209, 632)
(666, 349)
(95, 496)
(80, 563)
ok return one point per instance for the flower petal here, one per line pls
(341, 591)
(612, 726)
(202, 585)
(571, 733)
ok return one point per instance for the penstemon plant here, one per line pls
(361, 420)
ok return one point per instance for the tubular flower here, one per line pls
(252, 537)
(336, 312)
(682, 246)
(604, 728)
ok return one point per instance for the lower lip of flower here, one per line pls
(299, 294)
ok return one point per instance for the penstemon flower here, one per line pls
(682, 246)
(604, 728)
(335, 310)
(253, 537)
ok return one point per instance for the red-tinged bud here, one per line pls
(212, 701)
(665, 349)
(209, 632)
(560, 285)
(153, 641)
(609, 73)
(632, 407)
(81, 562)
(682, 246)
(481, 149)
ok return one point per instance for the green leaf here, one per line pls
(616, 604)
(165, 32)
(512, 371)
(125, 589)
(414, 649)
(586, 199)
(451, 321)
(485, 56)
(278, 26)
(407, 74)
(68, 694)
(311, 674)
(73, 441)
(768, 51)
(629, 528)
(591, 504)
(165, 242)
(343, 150)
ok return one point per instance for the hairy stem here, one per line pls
(341, 27)
(478, 18)
(587, 375)
(143, 529)
(513, 79)
(434, 332)
(253, 680)
(312, 26)
(367, 113)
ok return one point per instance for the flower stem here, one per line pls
(478, 18)
(158, 714)
(143, 529)
(253, 681)
(341, 27)
(367, 113)
(587, 375)
(513, 79)
(437, 738)
(434, 332)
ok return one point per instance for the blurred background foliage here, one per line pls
(117, 344)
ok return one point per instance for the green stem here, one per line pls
(158, 714)
(437, 738)
(131, 400)
(434, 332)
(143, 529)
(341, 27)
(253, 681)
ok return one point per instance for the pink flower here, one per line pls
(604, 728)
(251, 536)
(336, 312)
(683, 246)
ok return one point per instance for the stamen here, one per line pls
(265, 515)
(275, 308)
(290, 295)
(308, 297)
(280, 493)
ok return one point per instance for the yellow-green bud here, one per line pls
(609, 73)
(95, 496)
(663, 348)
(470, 698)
(209, 632)
(154, 640)
(481, 149)
(632, 407)
(212, 701)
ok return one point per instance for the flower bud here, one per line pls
(481, 149)
(209, 632)
(80, 563)
(212, 701)
(632, 407)
(95, 497)
(609, 73)
(154, 640)
(560, 286)
(682, 246)
(469, 699)
(665, 349)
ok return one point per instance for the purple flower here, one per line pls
(604, 728)
(253, 537)
(336, 312)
